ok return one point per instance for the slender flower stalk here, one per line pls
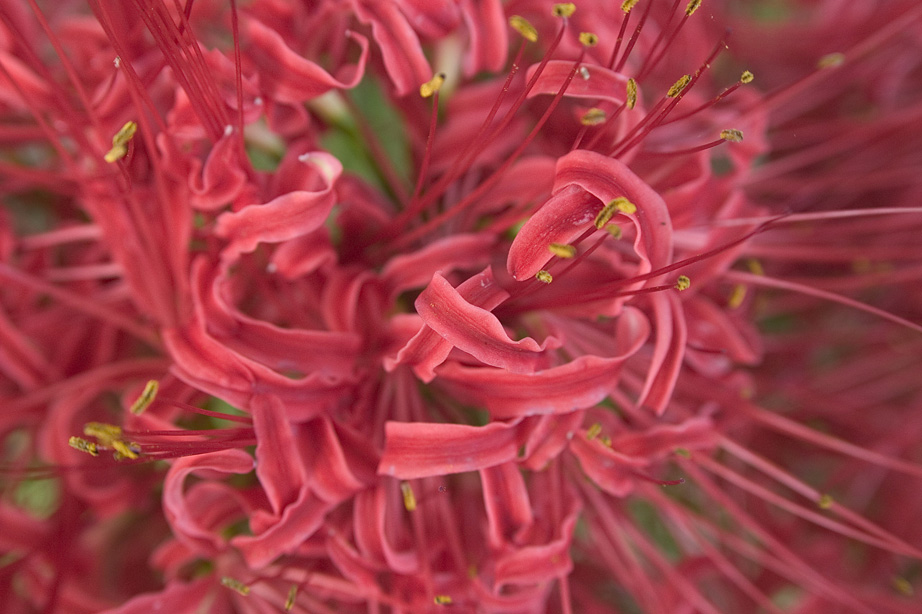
(404, 307)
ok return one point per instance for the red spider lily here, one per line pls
(466, 385)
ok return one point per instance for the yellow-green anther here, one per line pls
(588, 39)
(524, 27)
(593, 117)
(593, 431)
(120, 142)
(409, 498)
(682, 283)
(83, 445)
(627, 5)
(831, 60)
(430, 87)
(732, 135)
(561, 250)
(747, 77)
(692, 7)
(235, 585)
(564, 9)
(624, 205)
(631, 99)
(679, 86)
(544, 277)
(147, 397)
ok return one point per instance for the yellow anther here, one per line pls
(624, 205)
(732, 135)
(593, 117)
(614, 230)
(235, 585)
(825, 501)
(523, 27)
(692, 7)
(603, 216)
(292, 595)
(755, 267)
(737, 296)
(105, 433)
(747, 77)
(831, 60)
(631, 99)
(409, 499)
(147, 397)
(683, 452)
(564, 9)
(562, 251)
(593, 431)
(605, 439)
(120, 142)
(627, 5)
(442, 600)
(588, 39)
(902, 586)
(544, 277)
(430, 87)
(125, 450)
(682, 283)
(78, 443)
(679, 86)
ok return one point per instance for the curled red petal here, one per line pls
(420, 449)
(287, 76)
(668, 351)
(474, 330)
(290, 215)
(188, 524)
(571, 211)
(591, 81)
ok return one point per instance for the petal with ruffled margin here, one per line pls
(287, 76)
(476, 331)
(600, 84)
(290, 215)
(420, 449)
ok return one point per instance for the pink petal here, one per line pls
(176, 598)
(186, 522)
(612, 471)
(279, 467)
(221, 179)
(570, 212)
(602, 84)
(290, 215)
(419, 449)
(538, 564)
(427, 349)
(486, 26)
(414, 270)
(474, 330)
(287, 76)
(505, 496)
(298, 522)
(668, 351)
(336, 471)
(403, 55)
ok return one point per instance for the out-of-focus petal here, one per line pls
(287, 76)
(420, 449)
(403, 55)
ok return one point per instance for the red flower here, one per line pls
(464, 339)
